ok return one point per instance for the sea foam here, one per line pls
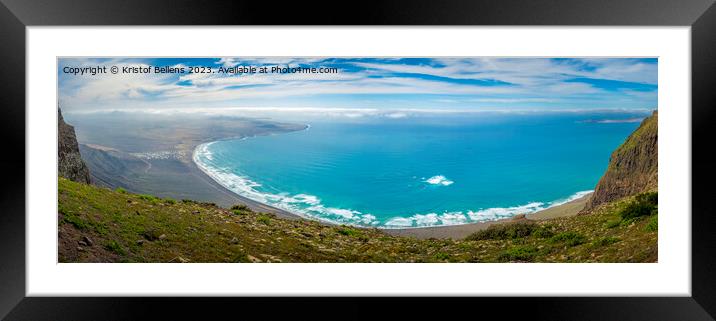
(304, 205)
(310, 206)
(439, 180)
(481, 215)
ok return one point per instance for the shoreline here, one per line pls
(253, 205)
(569, 208)
(460, 231)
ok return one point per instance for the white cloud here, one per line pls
(531, 80)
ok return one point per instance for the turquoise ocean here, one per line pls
(422, 170)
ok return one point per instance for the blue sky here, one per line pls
(369, 83)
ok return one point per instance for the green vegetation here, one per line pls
(71, 218)
(543, 231)
(568, 238)
(643, 205)
(647, 128)
(263, 218)
(115, 247)
(150, 198)
(613, 224)
(512, 231)
(127, 227)
(353, 232)
(606, 241)
(519, 253)
(240, 207)
(348, 231)
(653, 224)
(440, 256)
(503, 232)
(633, 169)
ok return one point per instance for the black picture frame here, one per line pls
(16, 15)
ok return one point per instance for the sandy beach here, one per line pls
(153, 155)
(461, 231)
(157, 160)
(227, 198)
(451, 231)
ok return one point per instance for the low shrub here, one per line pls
(503, 232)
(634, 210)
(347, 231)
(441, 256)
(651, 198)
(121, 190)
(264, 219)
(543, 232)
(240, 207)
(568, 238)
(643, 205)
(519, 253)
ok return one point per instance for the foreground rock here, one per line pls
(69, 161)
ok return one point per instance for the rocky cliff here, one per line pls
(69, 161)
(633, 166)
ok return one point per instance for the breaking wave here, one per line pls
(304, 205)
(310, 206)
(439, 180)
(482, 215)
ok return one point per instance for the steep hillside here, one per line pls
(97, 224)
(110, 167)
(633, 166)
(70, 164)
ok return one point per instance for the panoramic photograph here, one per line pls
(357, 159)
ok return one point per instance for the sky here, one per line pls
(449, 84)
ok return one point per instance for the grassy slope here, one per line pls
(125, 227)
(633, 166)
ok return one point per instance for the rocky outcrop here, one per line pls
(633, 166)
(69, 160)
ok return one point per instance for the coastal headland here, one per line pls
(151, 154)
(99, 224)
(155, 157)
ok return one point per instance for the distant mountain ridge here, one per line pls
(69, 161)
(633, 166)
(97, 224)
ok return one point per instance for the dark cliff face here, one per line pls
(633, 166)
(69, 161)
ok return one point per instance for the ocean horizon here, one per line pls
(421, 171)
